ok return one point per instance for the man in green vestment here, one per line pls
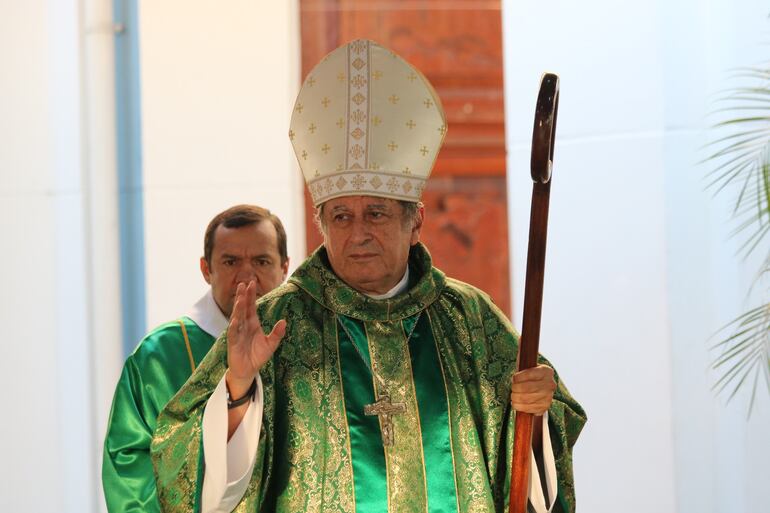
(370, 382)
(243, 244)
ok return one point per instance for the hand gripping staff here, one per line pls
(543, 138)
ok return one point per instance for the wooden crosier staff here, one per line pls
(543, 137)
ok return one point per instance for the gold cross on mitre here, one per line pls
(384, 409)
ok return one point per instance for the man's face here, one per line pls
(368, 241)
(241, 255)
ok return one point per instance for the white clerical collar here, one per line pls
(207, 315)
(400, 287)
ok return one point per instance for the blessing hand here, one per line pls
(248, 348)
(532, 390)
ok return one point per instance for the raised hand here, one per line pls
(248, 348)
(532, 390)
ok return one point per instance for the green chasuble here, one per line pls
(442, 354)
(151, 376)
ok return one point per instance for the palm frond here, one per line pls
(745, 351)
(740, 155)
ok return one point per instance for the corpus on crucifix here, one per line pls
(384, 409)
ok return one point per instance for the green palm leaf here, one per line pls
(740, 155)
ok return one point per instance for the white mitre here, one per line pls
(366, 123)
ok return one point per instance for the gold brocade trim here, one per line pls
(386, 184)
(368, 103)
(402, 469)
(346, 172)
(358, 58)
(345, 409)
(408, 359)
(347, 111)
(473, 494)
(187, 344)
(376, 395)
(448, 410)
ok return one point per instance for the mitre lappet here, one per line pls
(366, 123)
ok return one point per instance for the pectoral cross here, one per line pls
(384, 409)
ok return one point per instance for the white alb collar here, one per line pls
(207, 315)
(400, 287)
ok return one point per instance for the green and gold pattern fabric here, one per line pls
(151, 376)
(421, 432)
(319, 452)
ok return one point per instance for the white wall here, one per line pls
(640, 271)
(56, 263)
(218, 81)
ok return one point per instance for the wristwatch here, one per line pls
(248, 396)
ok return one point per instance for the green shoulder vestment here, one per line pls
(442, 352)
(151, 376)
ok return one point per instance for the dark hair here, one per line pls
(239, 216)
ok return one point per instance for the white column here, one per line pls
(53, 261)
(100, 182)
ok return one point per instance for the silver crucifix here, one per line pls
(384, 409)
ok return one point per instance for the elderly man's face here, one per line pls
(368, 241)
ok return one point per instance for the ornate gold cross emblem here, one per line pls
(385, 410)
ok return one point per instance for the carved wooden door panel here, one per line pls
(458, 46)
